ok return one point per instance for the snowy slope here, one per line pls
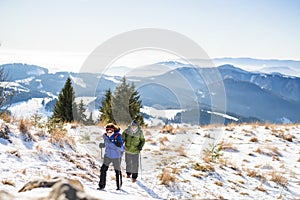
(257, 162)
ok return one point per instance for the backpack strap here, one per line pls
(117, 135)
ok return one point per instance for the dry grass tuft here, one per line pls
(6, 116)
(168, 129)
(254, 139)
(198, 175)
(268, 151)
(258, 150)
(278, 178)
(60, 137)
(219, 183)
(162, 140)
(24, 171)
(227, 146)
(24, 126)
(14, 153)
(256, 174)
(260, 188)
(205, 167)
(148, 133)
(274, 150)
(181, 151)
(8, 182)
(252, 173)
(229, 129)
(166, 177)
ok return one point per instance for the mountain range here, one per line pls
(272, 97)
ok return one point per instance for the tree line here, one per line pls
(120, 107)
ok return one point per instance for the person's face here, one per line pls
(134, 128)
(109, 130)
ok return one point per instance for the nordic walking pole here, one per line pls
(101, 153)
(141, 165)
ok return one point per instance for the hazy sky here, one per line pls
(61, 33)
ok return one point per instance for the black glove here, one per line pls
(140, 148)
(119, 144)
(101, 145)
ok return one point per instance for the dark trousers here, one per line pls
(132, 164)
(117, 166)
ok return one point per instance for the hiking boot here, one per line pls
(118, 188)
(100, 188)
(133, 180)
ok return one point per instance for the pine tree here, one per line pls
(126, 103)
(81, 117)
(135, 104)
(106, 108)
(63, 109)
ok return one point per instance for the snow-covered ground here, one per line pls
(27, 109)
(255, 162)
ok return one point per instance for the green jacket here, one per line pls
(133, 140)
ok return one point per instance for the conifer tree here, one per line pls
(123, 106)
(63, 109)
(106, 108)
(126, 103)
(81, 117)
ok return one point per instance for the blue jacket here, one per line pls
(111, 149)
